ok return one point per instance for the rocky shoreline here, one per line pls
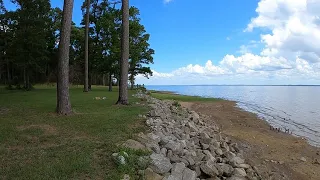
(185, 147)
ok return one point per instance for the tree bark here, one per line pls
(103, 79)
(124, 65)
(63, 100)
(110, 82)
(131, 82)
(86, 54)
(8, 73)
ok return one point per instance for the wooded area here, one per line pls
(30, 37)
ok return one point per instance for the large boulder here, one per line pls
(159, 163)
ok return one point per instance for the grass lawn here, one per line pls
(35, 143)
(171, 96)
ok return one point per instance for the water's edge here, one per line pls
(252, 108)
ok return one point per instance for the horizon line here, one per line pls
(239, 85)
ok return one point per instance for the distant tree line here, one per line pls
(30, 37)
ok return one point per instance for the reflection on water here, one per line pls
(293, 107)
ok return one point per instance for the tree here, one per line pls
(63, 100)
(86, 58)
(140, 51)
(124, 64)
(30, 41)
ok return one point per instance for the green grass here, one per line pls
(171, 96)
(35, 143)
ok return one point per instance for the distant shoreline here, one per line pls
(235, 85)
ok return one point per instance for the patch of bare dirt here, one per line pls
(48, 129)
(4, 110)
(276, 155)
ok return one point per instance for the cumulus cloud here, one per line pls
(290, 48)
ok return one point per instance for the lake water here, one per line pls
(293, 107)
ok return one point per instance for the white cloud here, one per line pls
(290, 49)
(228, 38)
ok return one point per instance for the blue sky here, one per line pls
(229, 41)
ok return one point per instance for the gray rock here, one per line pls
(154, 137)
(245, 166)
(164, 151)
(159, 163)
(189, 159)
(225, 169)
(174, 146)
(150, 175)
(236, 161)
(133, 144)
(236, 178)
(154, 147)
(121, 160)
(204, 135)
(126, 177)
(177, 170)
(229, 155)
(209, 168)
(303, 159)
(209, 156)
(218, 152)
(188, 174)
(239, 172)
(204, 146)
(170, 177)
(194, 116)
(192, 127)
(170, 153)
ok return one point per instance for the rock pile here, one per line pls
(185, 147)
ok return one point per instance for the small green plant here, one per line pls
(176, 104)
(135, 160)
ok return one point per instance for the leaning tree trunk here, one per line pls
(63, 101)
(86, 54)
(124, 64)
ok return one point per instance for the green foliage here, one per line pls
(176, 104)
(133, 163)
(29, 44)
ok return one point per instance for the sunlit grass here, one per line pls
(35, 143)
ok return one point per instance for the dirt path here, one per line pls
(277, 155)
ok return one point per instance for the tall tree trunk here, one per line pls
(24, 78)
(110, 82)
(104, 79)
(8, 72)
(90, 81)
(63, 100)
(86, 53)
(124, 65)
(131, 82)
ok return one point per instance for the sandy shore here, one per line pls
(276, 155)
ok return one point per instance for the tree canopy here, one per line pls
(30, 35)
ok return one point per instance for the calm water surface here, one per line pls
(293, 107)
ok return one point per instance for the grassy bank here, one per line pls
(35, 143)
(171, 96)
